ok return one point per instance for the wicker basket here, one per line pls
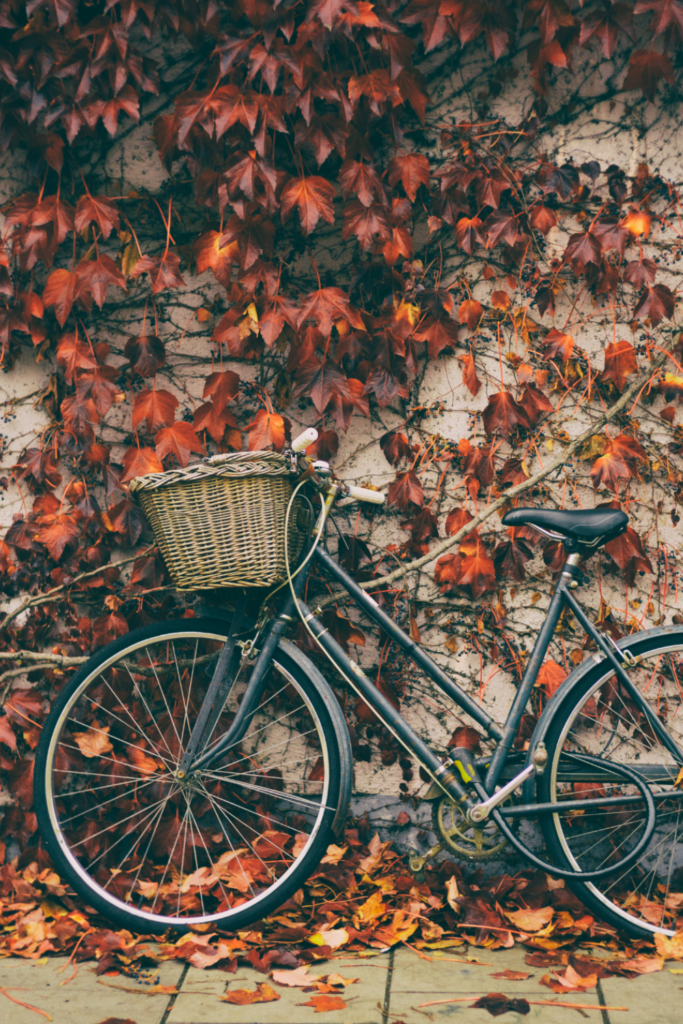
(221, 523)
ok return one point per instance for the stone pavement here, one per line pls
(390, 989)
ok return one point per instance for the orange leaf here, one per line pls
(179, 440)
(470, 313)
(326, 1004)
(140, 462)
(620, 361)
(500, 300)
(245, 996)
(267, 429)
(313, 197)
(550, 677)
(558, 344)
(156, 408)
(411, 169)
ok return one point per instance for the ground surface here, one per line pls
(390, 989)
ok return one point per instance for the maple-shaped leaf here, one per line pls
(74, 354)
(95, 276)
(163, 271)
(327, 305)
(627, 551)
(535, 403)
(655, 302)
(510, 558)
(385, 386)
(326, 1004)
(557, 344)
(503, 414)
(640, 273)
(476, 569)
(645, 69)
(542, 218)
(439, 333)
(140, 462)
(606, 24)
(98, 209)
(405, 490)
(366, 223)
(362, 179)
(620, 361)
(582, 249)
(156, 408)
(423, 526)
(127, 518)
(99, 387)
(106, 628)
(550, 677)
(55, 535)
(468, 233)
(411, 169)
(320, 381)
(267, 430)
(211, 255)
(395, 446)
(60, 291)
(263, 993)
(179, 439)
(456, 519)
(222, 387)
(211, 418)
(399, 244)
(470, 313)
(94, 742)
(666, 14)
(612, 235)
(313, 197)
(469, 373)
(618, 462)
(52, 210)
(280, 310)
(145, 354)
(379, 89)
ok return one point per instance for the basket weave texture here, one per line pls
(221, 523)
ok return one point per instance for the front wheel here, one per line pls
(227, 845)
(598, 723)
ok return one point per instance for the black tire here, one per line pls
(59, 791)
(597, 717)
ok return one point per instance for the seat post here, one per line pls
(571, 573)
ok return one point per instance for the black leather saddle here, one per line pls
(585, 527)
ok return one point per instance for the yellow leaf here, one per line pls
(203, 315)
(251, 310)
(332, 937)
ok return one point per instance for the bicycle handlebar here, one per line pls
(301, 443)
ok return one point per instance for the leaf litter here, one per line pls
(360, 902)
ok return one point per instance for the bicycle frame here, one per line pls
(438, 767)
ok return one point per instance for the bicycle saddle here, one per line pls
(592, 526)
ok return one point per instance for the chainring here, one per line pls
(478, 842)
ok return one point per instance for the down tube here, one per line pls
(370, 608)
(381, 706)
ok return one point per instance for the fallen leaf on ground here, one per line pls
(325, 1004)
(497, 1003)
(245, 996)
(509, 975)
(570, 981)
(298, 978)
(528, 920)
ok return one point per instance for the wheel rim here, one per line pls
(603, 720)
(175, 852)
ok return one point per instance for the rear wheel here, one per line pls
(226, 845)
(599, 720)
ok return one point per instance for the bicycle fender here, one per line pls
(576, 680)
(340, 727)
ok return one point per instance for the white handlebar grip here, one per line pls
(365, 494)
(303, 440)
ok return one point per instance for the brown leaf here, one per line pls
(509, 975)
(156, 408)
(313, 197)
(95, 742)
(620, 361)
(145, 354)
(179, 439)
(497, 1004)
(139, 462)
(411, 169)
(645, 68)
(503, 414)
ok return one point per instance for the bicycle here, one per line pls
(194, 772)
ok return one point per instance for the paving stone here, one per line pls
(651, 998)
(84, 999)
(198, 1002)
(416, 981)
